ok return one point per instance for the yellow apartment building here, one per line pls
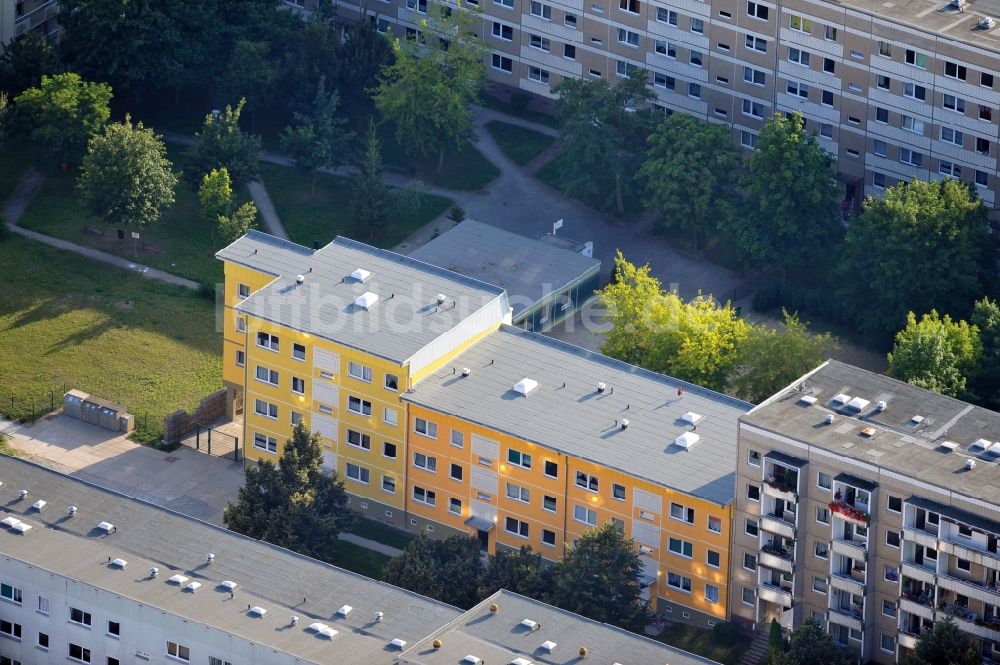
(332, 337)
(525, 440)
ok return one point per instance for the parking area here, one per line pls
(184, 480)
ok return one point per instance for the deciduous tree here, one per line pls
(126, 178)
(251, 73)
(221, 143)
(449, 570)
(360, 59)
(63, 112)
(986, 317)
(235, 224)
(215, 195)
(520, 571)
(922, 246)
(945, 644)
(25, 60)
(810, 644)
(691, 172)
(317, 139)
(936, 353)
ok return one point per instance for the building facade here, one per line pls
(868, 505)
(20, 16)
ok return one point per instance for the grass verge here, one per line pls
(18, 155)
(521, 145)
(381, 533)
(322, 216)
(360, 560)
(466, 170)
(66, 320)
(703, 643)
(7, 449)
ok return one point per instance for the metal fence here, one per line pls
(213, 442)
(30, 405)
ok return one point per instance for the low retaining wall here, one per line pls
(180, 422)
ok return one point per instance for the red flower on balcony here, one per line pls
(849, 511)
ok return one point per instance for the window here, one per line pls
(751, 528)
(887, 643)
(963, 564)
(569, 51)
(13, 594)
(425, 427)
(948, 168)
(826, 98)
(694, 90)
(178, 651)
(748, 139)
(418, 5)
(517, 458)
(982, 146)
(758, 11)
(358, 473)
(665, 48)
(539, 42)
(755, 43)
(912, 157)
(548, 537)
(43, 641)
(502, 31)
(618, 491)
(695, 58)
(114, 628)
(985, 113)
(266, 443)
(551, 469)
(549, 503)
(680, 547)
(266, 375)
(586, 481)
(666, 16)
(819, 584)
(890, 573)
(829, 66)
(43, 604)
(266, 341)
(698, 26)
(538, 75)
(798, 89)
(296, 418)
(916, 59)
(799, 23)
(632, 6)
(857, 55)
(388, 484)
(628, 37)
(570, 20)
(10, 629)
(889, 608)
(664, 81)
(79, 616)
(830, 33)
(359, 406)
(388, 450)
(421, 495)
(755, 110)
(953, 103)
(753, 492)
(892, 539)
(712, 593)
(359, 372)
(882, 81)
(516, 527)
(949, 135)
(821, 550)
(241, 324)
(456, 471)
(502, 63)
(509, 4)
(682, 513)
(243, 290)
(822, 514)
(359, 440)
(986, 80)
(911, 124)
(982, 178)
(826, 130)
(755, 76)
(585, 515)
(79, 654)
(878, 180)
(299, 351)
(714, 524)
(749, 561)
(879, 148)
(518, 493)
(881, 115)
(241, 357)
(541, 9)
(713, 559)
(454, 506)
(954, 70)
(212, 660)
(753, 458)
(679, 582)
(425, 462)
(748, 596)
(915, 91)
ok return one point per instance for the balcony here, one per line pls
(777, 558)
(912, 606)
(850, 513)
(907, 641)
(774, 594)
(849, 618)
(778, 525)
(920, 537)
(967, 549)
(970, 588)
(851, 583)
(986, 629)
(854, 549)
(918, 572)
(782, 487)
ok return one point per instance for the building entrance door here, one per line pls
(484, 539)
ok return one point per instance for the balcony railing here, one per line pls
(849, 512)
(777, 524)
(847, 617)
(973, 588)
(774, 594)
(923, 610)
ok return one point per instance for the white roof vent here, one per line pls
(38, 505)
(441, 298)
(881, 405)
(472, 660)
(687, 440)
(300, 279)
(366, 300)
(21, 528)
(360, 275)
(525, 386)
(829, 419)
(192, 587)
(520, 661)
(601, 387)
(857, 404)
(119, 563)
(840, 398)
(548, 645)
(970, 464)
(316, 627)
(257, 611)
(10, 522)
(529, 624)
(345, 610)
(625, 423)
(229, 585)
(398, 643)
(22, 493)
(71, 510)
(949, 445)
(995, 448)
(106, 527)
(328, 633)
(466, 371)
(987, 23)
(980, 444)
(808, 400)
(178, 580)
(916, 420)
(691, 417)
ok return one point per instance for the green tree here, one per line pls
(945, 644)
(312, 55)
(371, 199)
(293, 504)
(251, 73)
(427, 91)
(6, 117)
(318, 140)
(770, 359)
(25, 60)
(449, 570)
(215, 195)
(691, 171)
(922, 246)
(598, 577)
(635, 309)
(936, 353)
(986, 317)
(236, 224)
(520, 571)
(126, 178)
(63, 112)
(809, 644)
(604, 129)
(790, 204)
(775, 642)
(360, 59)
(221, 143)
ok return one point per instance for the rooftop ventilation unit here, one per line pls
(601, 387)
(525, 386)
(829, 419)
(868, 431)
(293, 620)
(300, 279)
(520, 661)
(840, 399)
(316, 627)
(987, 23)
(192, 587)
(119, 563)
(398, 643)
(466, 371)
(360, 275)
(881, 405)
(970, 464)
(22, 493)
(154, 571)
(949, 445)
(210, 557)
(366, 300)
(548, 645)
(228, 585)
(472, 660)
(38, 505)
(529, 624)
(916, 420)
(687, 440)
(980, 444)
(808, 400)
(71, 510)
(378, 617)
(345, 610)
(441, 298)
(21, 528)
(691, 418)
(328, 633)
(856, 405)
(178, 580)
(625, 423)
(9, 522)
(958, 4)
(106, 527)
(995, 448)
(257, 611)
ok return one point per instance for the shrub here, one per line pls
(726, 634)
(766, 296)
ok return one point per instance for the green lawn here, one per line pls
(15, 157)
(520, 144)
(497, 104)
(381, 533)
(703, 643)
(308, 218)
(466, 170)
(360, 560)
(66, 320)
(187, 242)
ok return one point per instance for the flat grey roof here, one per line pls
(497, 638)
(897, 442)
(406, 317)
(528, 269)
(936, 17)
(566, 413)
(273, 578)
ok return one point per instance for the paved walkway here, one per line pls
(272, 223)
(368, 544)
